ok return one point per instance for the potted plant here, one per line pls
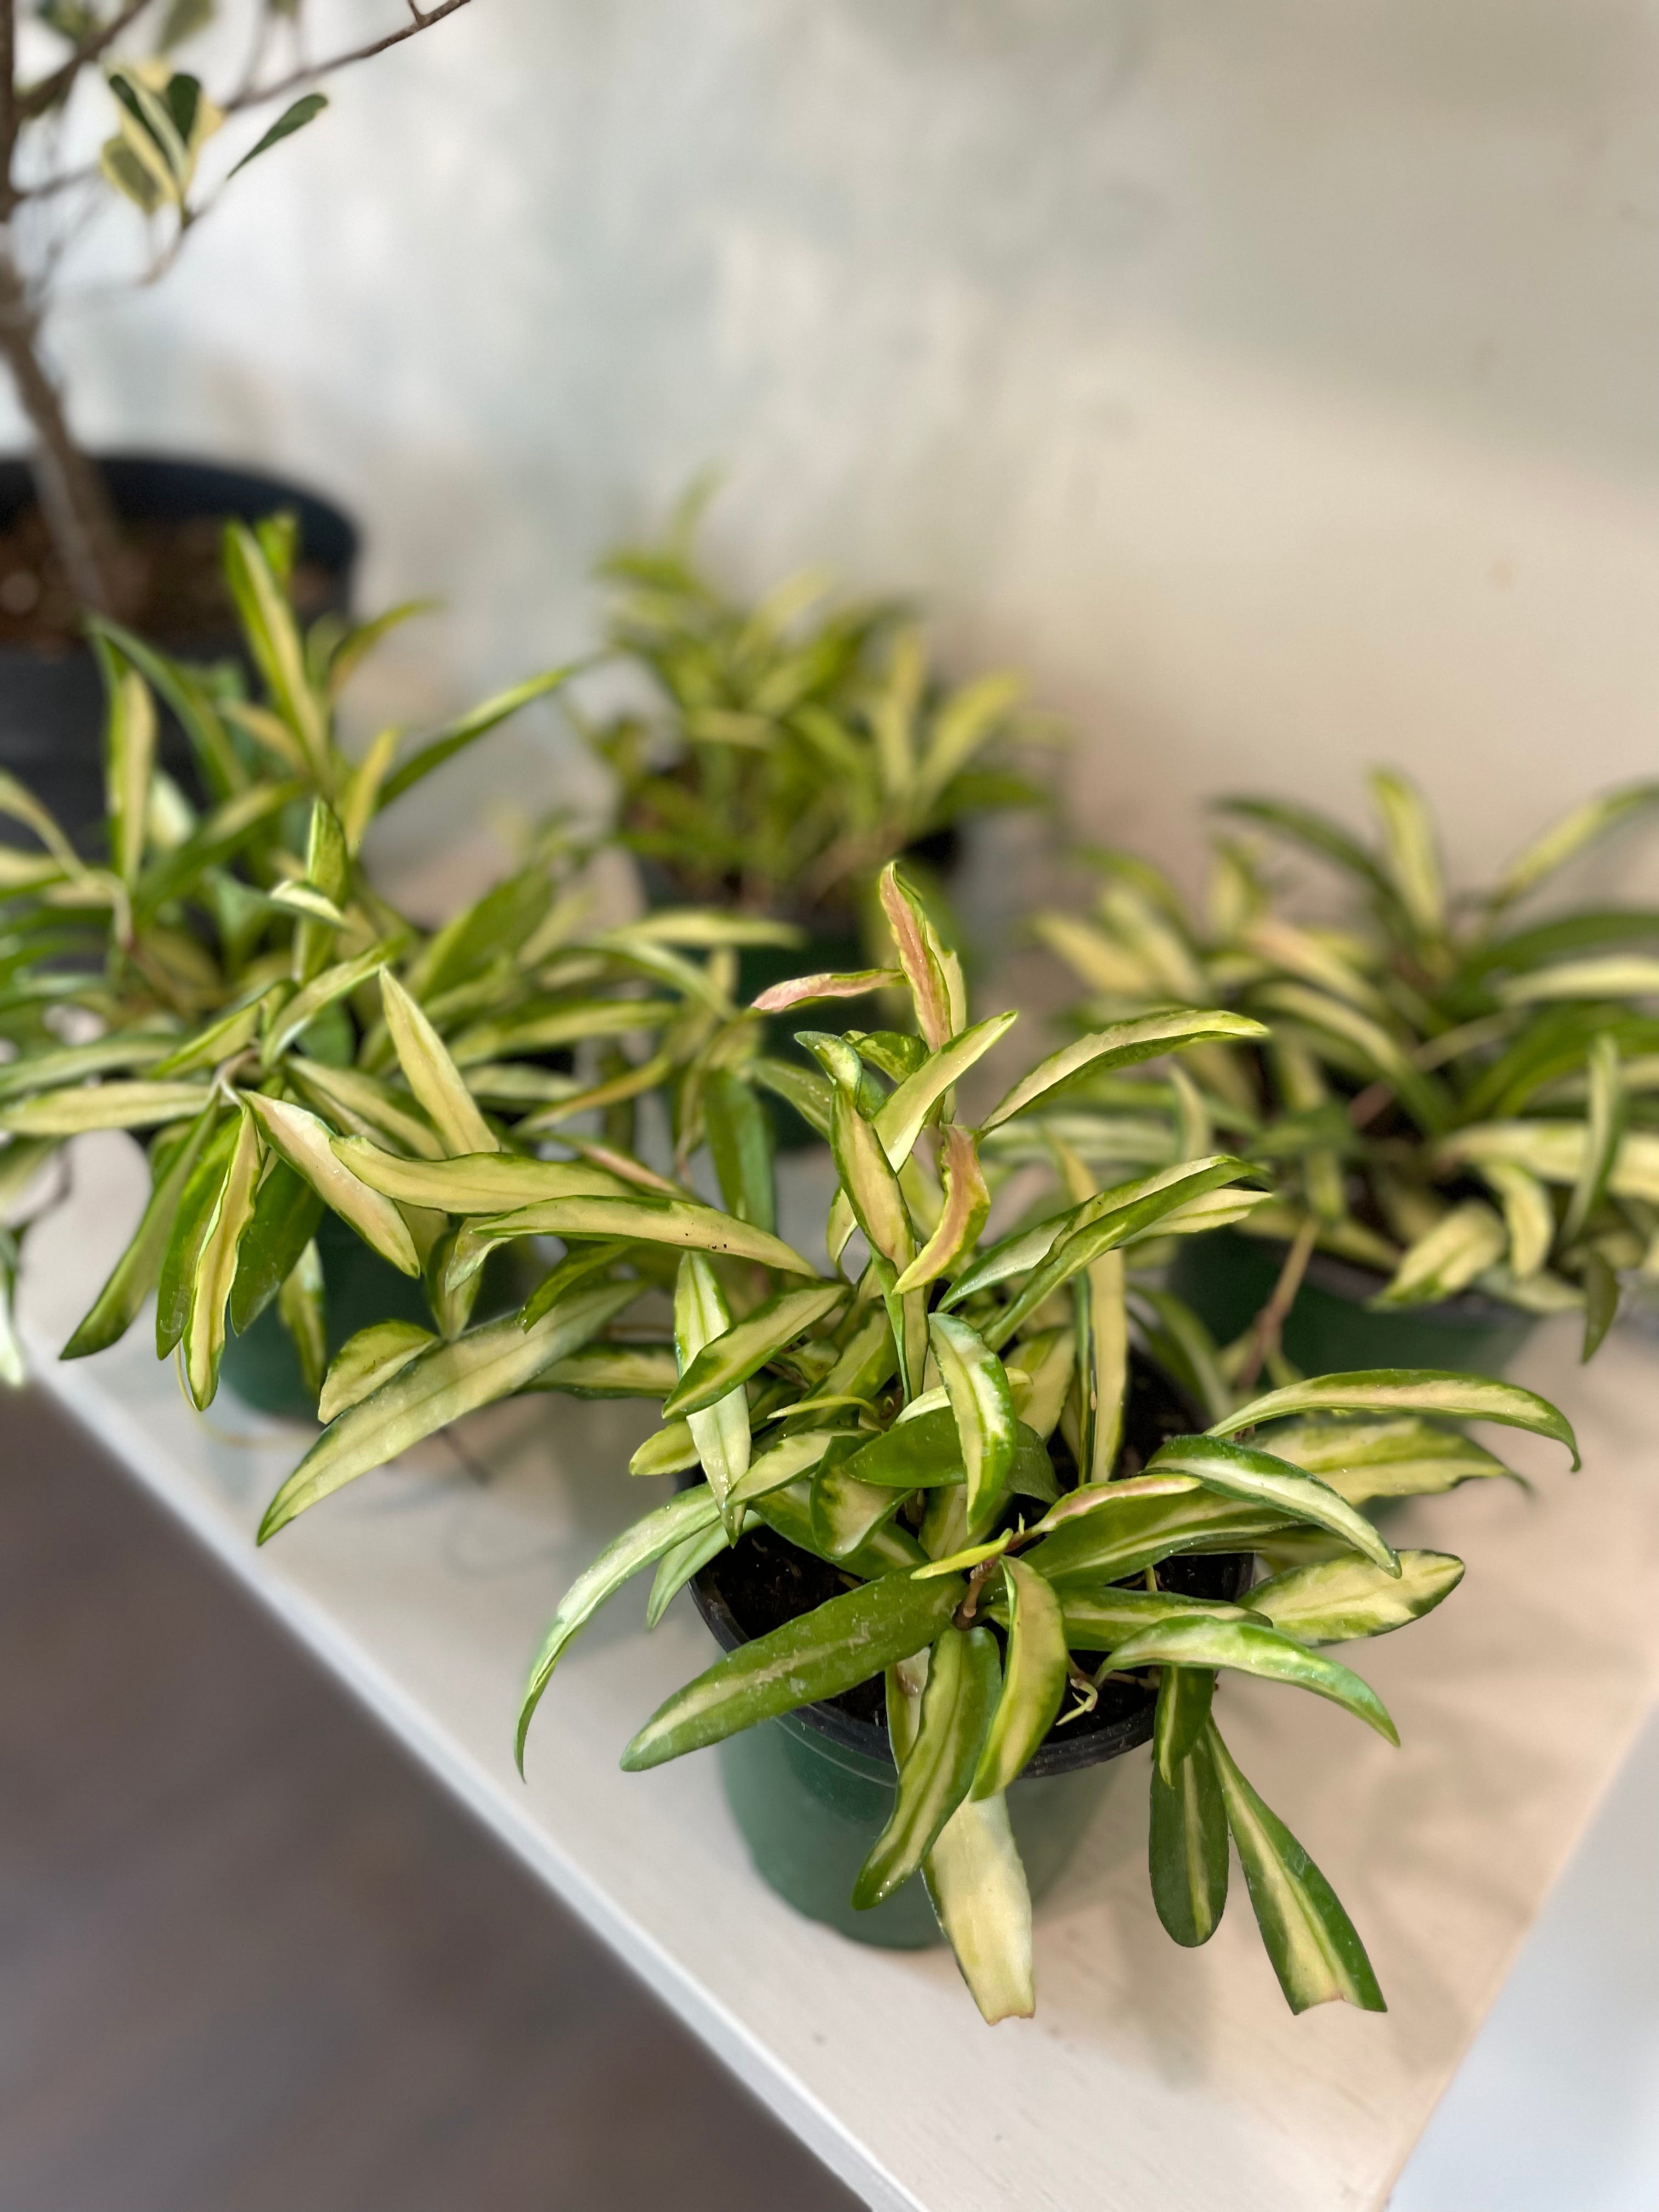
(1455, 1103)
(129, 535)
(959, 1539)
(233, 986)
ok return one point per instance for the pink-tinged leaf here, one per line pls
(967, 1203)
(934, 975)
(804, 990)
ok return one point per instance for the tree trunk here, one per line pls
(79, 516)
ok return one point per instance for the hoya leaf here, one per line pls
(678, 1225)
(839, 1644)
(1311, 1942)
(694, 1513)
(134, 1276)
(1122, 1045)
(981, 1900)
(1338, 1601)
(740, 1134)
(1033, 1684)
(1100, 1619)
(304, 1142)
(677, 1567)
(431, 1072)
(484, 1182)
(1409, 1390)
(1184, 1698)
(809, 990)
(1470, 1239)
(1258, 1477)
(1402, 1458)
(435, 1388)
(902, 1117)
(1201, 1640)
(963, 1678)
(982, 1407)
(932, 972)
(782, 1462)
(1187, 1845)
(214, 1268)
(846, 1513)
(743, 1350)
(967, 1203)
(301, 1307)
(306, 109)
(192, 1218)
(87, 1106)
(721, 1430)
(286, 1212)
(470, 727)
(364, 1361)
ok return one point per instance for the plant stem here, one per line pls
(1271, 1320)
(79, 516)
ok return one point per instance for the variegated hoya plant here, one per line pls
(1458, 1091)
(228, 981)
(939, 1417)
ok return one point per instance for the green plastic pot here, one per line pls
(811, 1791)
(359, 1288)
(1227, 1279)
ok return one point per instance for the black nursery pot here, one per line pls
(812, 1790)
(51, 701)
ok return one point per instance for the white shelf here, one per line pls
(1151, 2075)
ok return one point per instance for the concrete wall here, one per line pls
(1278, 385)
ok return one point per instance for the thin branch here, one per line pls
(38, 98)
(1270, 1322)
(258, 95)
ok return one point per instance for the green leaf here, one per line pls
(1409, 1390)
(302, 1310)
(1311, 1942)
(486, 1182)
(1406, 1458)
(48, 1071)
(220, 1041)
(1469, 1240)
(470, 727)
(1601, 1300)
(1258, 1477)
(982, 1406)
(434, 1390)
(904, 1114)
(840, 1643)
(720, 1433)
(323, 992)
(1187, 1845)
(431, 1074)
(87, 1106)
(286, 1212)
(304, 1142)
(963, 1678)
(693, 1514)
(668, 1450)
(304, 110)
(1565, 840)
(364, 1361)
(1604, 1125)
(273, 642)
(676, 1568)
(1201, 1640)
(1123, 1045)
(193, 1216)
(780, 1463)
(1528, 1216)
(1337, 1600)
(117, 1305)
(1411, 851)
(678, 1225)
(1184, 1698)
(801, 1087)
(967, 1203)
(846, 1513)
(726, 1360)
(1099, 1620)
(981, 1901)
(811, 990)
(933, 972)
(1316, 833)
(215, 1269)
(1613, 976)
(1380, 1052)
(867, 1179)
(576, 1267)
(739, 1137)
(130, 753)
(1034, 1683)
(612, 1371)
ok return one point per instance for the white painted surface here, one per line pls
(425, 1589)
(1279, 385)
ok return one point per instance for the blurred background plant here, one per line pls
(69, 73)
(1458, 1095)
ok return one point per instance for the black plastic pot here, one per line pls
(1332, 1329)
(812, 1790)
(51, 703)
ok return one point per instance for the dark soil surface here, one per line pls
(179, 592)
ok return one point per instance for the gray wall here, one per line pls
(1278, 385)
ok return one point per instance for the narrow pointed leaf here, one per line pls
(1315, 1951)
(304, 1142)
(677, 1567)
(1338, 1601)
(1099, 1620)
(680, 1225)
(963, 1678)
(1409, 1390)
(1403, 1458)
(903, 1116)
(1123, 1045)
(1184, 1698)
(435, 1388)
(364, 1361)
(87, 1106)
(215, 1271)
(1034, 1682)
(193, 1217)
(982, 1407)
(840, 1643)
(431, 1074)
(1187, 1846)
(981, 1899)
(135, 1274)
(739, 1137)
(302, 1310)
(286, 1212)
(1201, 1640)
(1257, 1478)
(967, 1203)
(486, 1183)
(721, 1431)
(809, 990)
(743, 1349)
(692, 1514)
